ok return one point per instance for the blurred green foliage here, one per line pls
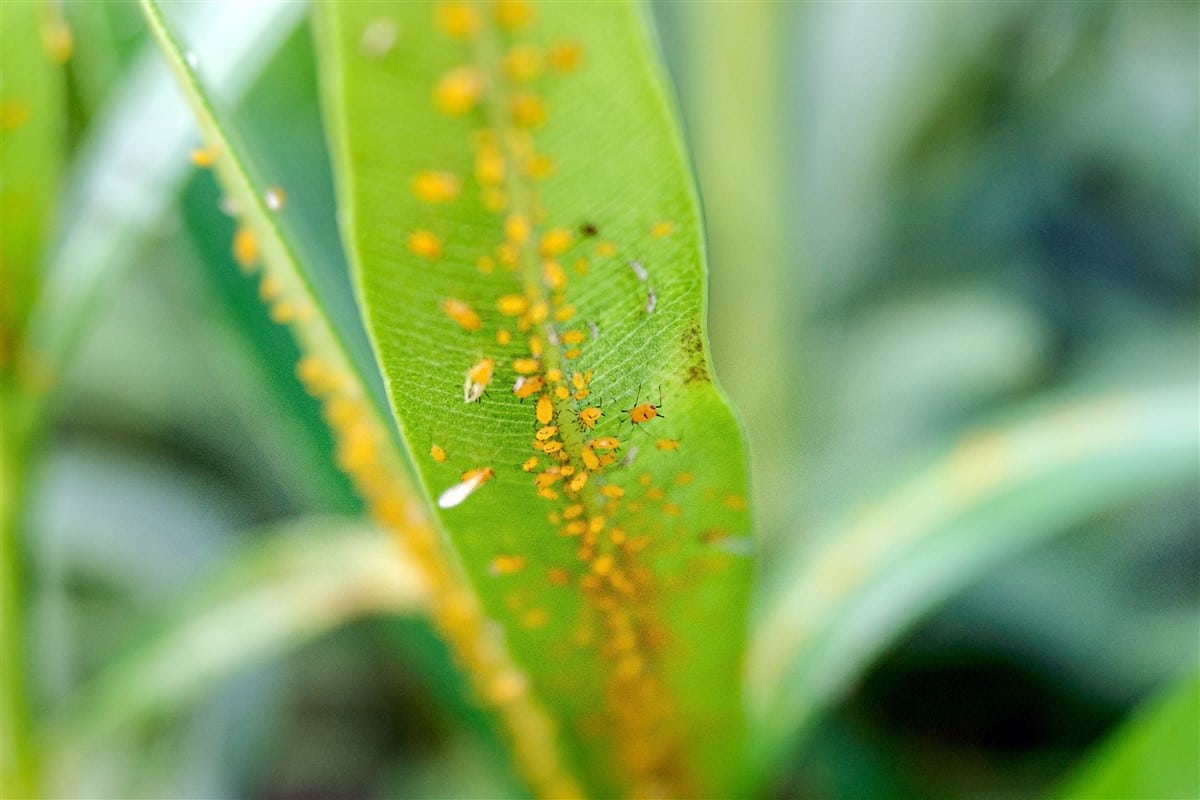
(926, 221)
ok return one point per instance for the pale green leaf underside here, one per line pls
(618, 166)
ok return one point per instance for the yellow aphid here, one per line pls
(549, 447)
(661, 229)
(547, 478)
(535, 347)
(545, 409)
(437, 453)
(522, 63)
(458, 90)
(513, 14)
(573, 353)
(538, 312)
(503, 336)
(607, 458)
(545, 433)
(566, 56)
(572, 511)
(462, 313)
(477, 379)
(589, 458)
(562, 392)
(539, 166)
(489, 166)
(269, 288)
(554, 375)
(577, 482)
(588, 417)
(516, 228)
(555, 242)
(547, 494)
(506, 254)
(424, 244)
(566, 469)
(573, 337)
(245, 248)
(605, 249)
(471, 481)
(604, 443)
(667, 444)
(458, 19)
(582, 394)
(525, 366)
(603, 564)
(282, 312)
(527, 386)
(506, 565)
(203, 157)
(576, 528)
(554, 276)
(528, 110)
(436, 187)
(612, 491)
(512, 305)
(564, 313)
(530, 464)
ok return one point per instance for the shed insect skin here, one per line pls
(639, 270)
(471, 480)
(477, 379)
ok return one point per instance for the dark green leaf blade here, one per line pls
(627, 612)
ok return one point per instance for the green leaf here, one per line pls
(627, 614)
(1153, 755)
(999, 489)
(286, 588)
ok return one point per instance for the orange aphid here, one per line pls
(545, 409)
(545, 433)
(612, 491)
(555, 241)
(512, 305)
(588, 417)
(457, 19)
(245, 248)
(506, 565)
(553, 274)
(424, 244)
(513, 14)
(436, 187)
(604, 443)
(203, 156)
(558, 576)
(667, 444)
(471, 480)
(573, 353)
(661, 229)
(566, 56)
(564, 313)
(516, 228)
(525, 366)
(522, 63)
(554, 375)
(573, 337)
(503, 336)
(549, 448)
(562, 392)
(437, 453)
(458, 90)
(477, 379)
(461, 313)
(643, 412)
(577, 482)
(527, 386)
(528, 110)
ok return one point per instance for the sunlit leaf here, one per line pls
(527, 243)
(1153, 754)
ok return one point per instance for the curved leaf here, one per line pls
(274, 595)
(998, 490)
(527, 239)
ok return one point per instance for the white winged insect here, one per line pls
(471, 480)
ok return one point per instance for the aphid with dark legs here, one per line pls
(641, 413)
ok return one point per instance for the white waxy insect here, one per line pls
(639, 270)
(629, 456)
(651, 301)
(552, 335)
(378, 38)
(460, 491)
(595, 331)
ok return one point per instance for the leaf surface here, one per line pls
(520, 215)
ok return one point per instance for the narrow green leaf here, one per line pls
(514, 187)
(302, 293)
(998, 490)
(1155, 754)
(286, 588)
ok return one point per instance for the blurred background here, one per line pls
(928, 222)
